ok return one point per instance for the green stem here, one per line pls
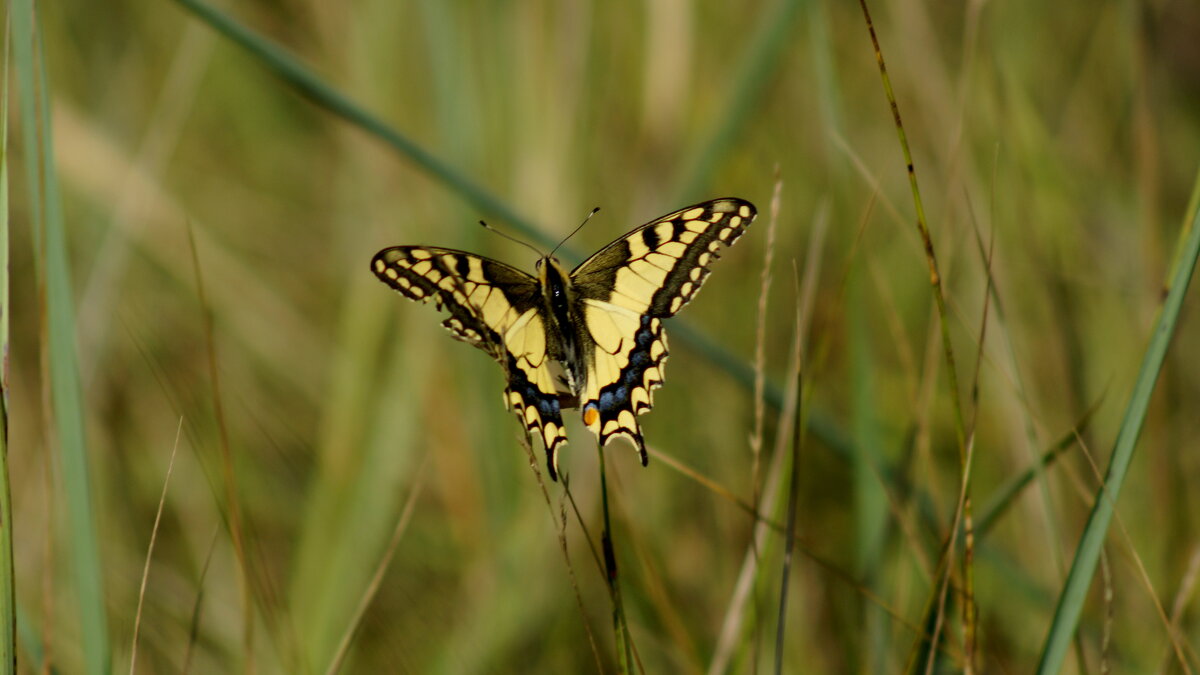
(8, 608)
(620, 625)
(1091, 543)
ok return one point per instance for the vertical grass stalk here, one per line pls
(8, 609)
(58, 322)
(790, 535)
(141, 601)
(760, 383)
(935, 282)
(1091, 543)
(620, 625)
(935, 278)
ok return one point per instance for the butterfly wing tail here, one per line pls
(625, 424)
(542, 414)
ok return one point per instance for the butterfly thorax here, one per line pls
(559, 295)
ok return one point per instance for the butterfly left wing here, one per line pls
(494, 307)
(627, 288)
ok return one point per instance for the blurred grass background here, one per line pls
(1069, 133)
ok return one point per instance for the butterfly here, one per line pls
(591, 338)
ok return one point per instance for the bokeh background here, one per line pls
(1062, 137)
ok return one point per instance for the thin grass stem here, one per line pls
(385, 561)
(566, 552)
(935, 281)
(8, 595)
(794, 481)
(620, 625)
(162, 501)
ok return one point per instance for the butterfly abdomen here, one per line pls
(562, 330)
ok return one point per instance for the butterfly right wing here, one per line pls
(627, 288)
(495, 307)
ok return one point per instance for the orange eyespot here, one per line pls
(591, 415)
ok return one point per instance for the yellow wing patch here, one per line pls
(496, 308)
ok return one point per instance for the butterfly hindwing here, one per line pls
(627, 288)
(495, 307)
(621, 380)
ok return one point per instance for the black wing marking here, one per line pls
(495, 307)
(657, 268)
(626, 288)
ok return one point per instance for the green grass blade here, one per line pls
(65, 392)
(8, 609)
(21, 16)
(31, 643)
(1083, 568)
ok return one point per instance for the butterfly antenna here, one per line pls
(585, 220)
(509, 237)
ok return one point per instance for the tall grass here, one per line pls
(8, 598)
(1091, 543)
(56, 316)
(372, 503)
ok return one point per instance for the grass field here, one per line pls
(197, 190)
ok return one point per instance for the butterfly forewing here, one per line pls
(495, 307)
(657, 268)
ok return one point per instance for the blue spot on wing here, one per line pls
(547, 406)
(645, 336)
(631, 378)
(607, 401)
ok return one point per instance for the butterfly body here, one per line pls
(559, 296)
(590, 338)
